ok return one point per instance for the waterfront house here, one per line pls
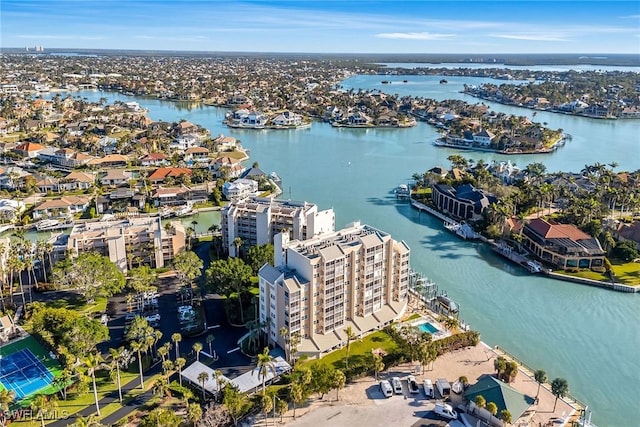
(196, 154)
(160, 175)
(628, 232)
(184, 142)
(239, 189)
(464, 202)
(226, 165)
(225, 143)
(287, 118)
(483, 138)
(13, 178)
(121, 200)
(562, 245)
(10, 210)
(63, 207)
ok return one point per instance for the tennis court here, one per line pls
(23, 373)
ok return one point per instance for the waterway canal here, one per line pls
(589, 336)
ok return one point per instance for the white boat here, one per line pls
(275, 178)
(184, 211)
(402, 191)
(52, 224)
(461, 229)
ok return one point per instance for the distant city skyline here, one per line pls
(350, 26)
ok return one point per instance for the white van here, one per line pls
(428, 389)
(445, 411)
(397, 385)
(386, 389)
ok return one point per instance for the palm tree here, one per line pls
(139, 347)
(197, 348)
(163, 351)
(480, 401)
(120, 358)
(194, 412)
(90, 421)
(238, 242)
(284, 333)
(541, 377)
(210, 338)
(42, 404)
(161, 387)
(93, 363)
(179, 364)
(265, 364)
(505, 416)
(176, 338)
(350, 336)
(203, 377)
(6, 398)
(492, 408)
(559, 388)
(297, 395)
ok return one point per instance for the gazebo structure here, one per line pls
(503, 395)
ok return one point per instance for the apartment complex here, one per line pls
(257, 220)
(131, 241)
(357, 277)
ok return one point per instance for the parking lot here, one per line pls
(362, 403)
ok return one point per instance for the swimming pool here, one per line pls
(427, 327)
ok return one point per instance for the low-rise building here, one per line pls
(464, 202)
(239, 189)
(129, 242)
(257, 220)
(356, 277)
(63, 207)
(562, 245)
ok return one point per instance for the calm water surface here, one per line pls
(589, 336)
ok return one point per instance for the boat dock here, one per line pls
(461, 229)
(506, 251)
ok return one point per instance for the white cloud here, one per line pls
(415, 36)
(542, 37)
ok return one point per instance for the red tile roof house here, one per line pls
(28, 149)
(159, 176)
(61, 208)
(563, 245)
(630, 232)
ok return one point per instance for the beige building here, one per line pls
(131, 241)
(356, 277)
(257, 220)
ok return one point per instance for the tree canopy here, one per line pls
(260, 255)
(91, 274)
(188, 266)
(225, 277)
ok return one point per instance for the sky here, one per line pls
(330, 26)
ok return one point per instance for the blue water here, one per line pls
(589, 336)
(427, 327)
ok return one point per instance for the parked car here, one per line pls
(386, 389)
(412, 384)
(445, 411)
(397, 385)
(428, 389)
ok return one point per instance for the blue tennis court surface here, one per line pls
(23, 373)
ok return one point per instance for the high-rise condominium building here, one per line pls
(257, 220)
(356, 277)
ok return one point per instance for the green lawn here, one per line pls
(627, 273)
(360, 349)
(78, 304)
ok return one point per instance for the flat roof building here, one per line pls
(257, 220)
(131, 241)
(357, 277)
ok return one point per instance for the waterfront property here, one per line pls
(130, 241)
(463, 202)
(257, 220)
(562, 245)
(356, 277)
